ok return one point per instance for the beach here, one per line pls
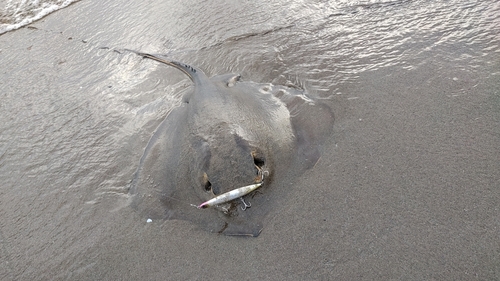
(406, 188)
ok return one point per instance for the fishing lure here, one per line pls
(228, 196)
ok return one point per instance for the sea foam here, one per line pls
(18, 13)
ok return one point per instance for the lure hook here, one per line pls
(245, 205)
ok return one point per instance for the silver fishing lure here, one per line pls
(228, 196)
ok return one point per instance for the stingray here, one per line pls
(227, 133)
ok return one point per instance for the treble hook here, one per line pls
(262, 173)
(245, 205)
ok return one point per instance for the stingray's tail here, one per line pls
(190, 71)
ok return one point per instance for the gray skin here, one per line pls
(225, 135)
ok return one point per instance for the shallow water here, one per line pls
(409, 82)
(15, 14)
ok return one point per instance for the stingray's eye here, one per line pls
(232, 81)
(206, 183)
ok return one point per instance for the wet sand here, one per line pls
(407, 188)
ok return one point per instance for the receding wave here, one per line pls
(18, 13)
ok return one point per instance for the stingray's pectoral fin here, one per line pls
(312, 122)
(311, 129)
(308, 154)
